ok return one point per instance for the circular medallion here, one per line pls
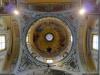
(49, 38)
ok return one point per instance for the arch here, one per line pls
(14, 44)
(83, 44)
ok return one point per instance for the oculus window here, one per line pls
(95, 42)
(2, 42)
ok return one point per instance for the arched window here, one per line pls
(2, 42)
(95, 42)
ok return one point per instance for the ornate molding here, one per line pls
(27, 61)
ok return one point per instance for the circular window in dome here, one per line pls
(49, 38)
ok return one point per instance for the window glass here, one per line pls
(2, 42)
(71, 38)
(95, 42)
(27, 39)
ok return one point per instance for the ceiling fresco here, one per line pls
(48, 37)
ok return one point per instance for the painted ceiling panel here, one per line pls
(47, 1)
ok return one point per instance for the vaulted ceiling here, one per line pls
(70, 50)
